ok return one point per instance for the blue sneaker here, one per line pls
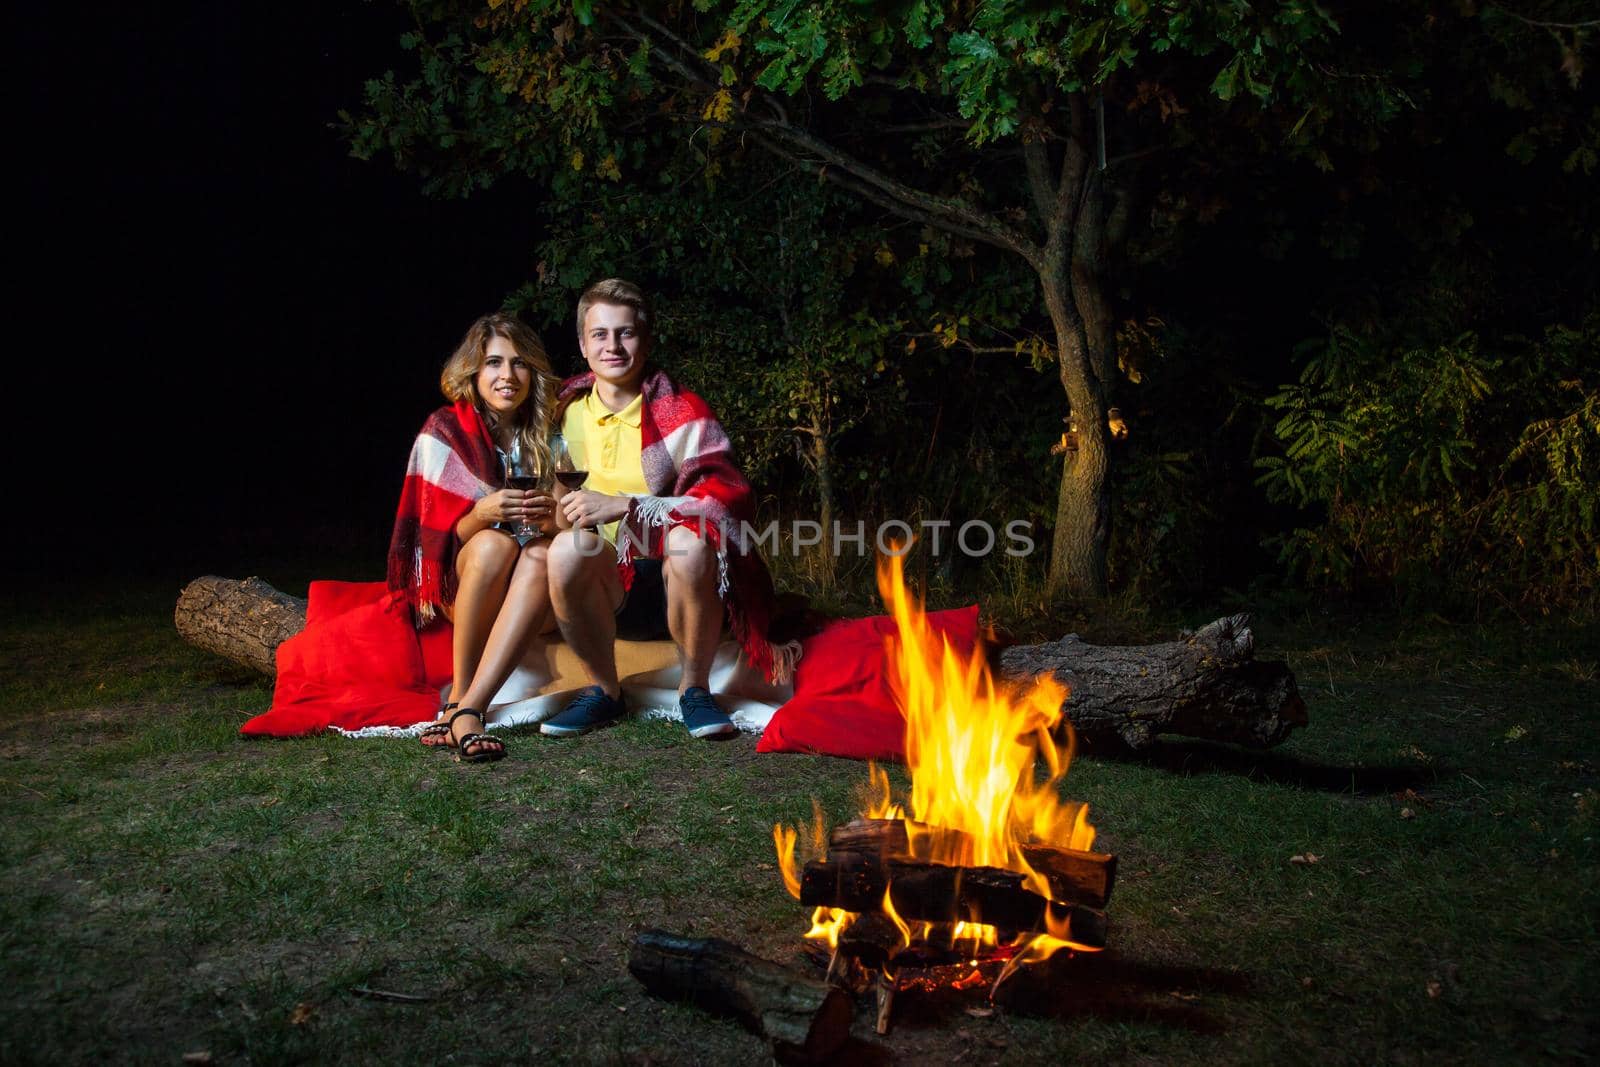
(589, 710)
(702, 716)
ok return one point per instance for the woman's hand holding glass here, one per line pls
(514, 506)
(525, 504)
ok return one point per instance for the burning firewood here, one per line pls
(805, 1020)
(886, 991)
(983, 866)
(1075, 877)
(935, 892)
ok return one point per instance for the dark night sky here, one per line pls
(240, 327)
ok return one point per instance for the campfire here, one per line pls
(984, 868)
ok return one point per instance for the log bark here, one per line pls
(240, 621)
(1075, 877)
(1207, 684)
(804, 1019)
(857, 881)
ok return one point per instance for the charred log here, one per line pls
(1075, 877)
(804, 1019)
(870, 940)
(857, 881)
(1206, 684)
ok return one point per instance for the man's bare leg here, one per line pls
(694, 611)
(585, 592)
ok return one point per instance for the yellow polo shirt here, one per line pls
(608, 445)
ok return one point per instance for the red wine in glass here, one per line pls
(518, 476)
(567, 471)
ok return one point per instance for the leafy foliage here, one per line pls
(837, 351)
(1416, 178)
(1448, 471)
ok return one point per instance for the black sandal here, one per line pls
(437, 728)
(489, 748)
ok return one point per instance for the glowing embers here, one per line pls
(984, 868)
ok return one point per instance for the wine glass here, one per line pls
(520, 475)
(568, 473)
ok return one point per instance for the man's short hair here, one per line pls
(616, 291)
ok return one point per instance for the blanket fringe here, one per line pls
(655, 511)
(785, 658)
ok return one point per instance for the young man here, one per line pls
(652, 544)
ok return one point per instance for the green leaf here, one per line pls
(1226, 81)
(973, 45)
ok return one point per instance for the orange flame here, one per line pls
(783, 838)
(974, 750)
(827, 924)
(894, 917)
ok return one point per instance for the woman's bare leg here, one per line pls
(483, 570)
(524, 615)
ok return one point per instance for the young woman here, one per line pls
(453, 551)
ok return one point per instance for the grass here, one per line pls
(169, 887)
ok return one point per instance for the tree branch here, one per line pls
(709, 80)
(847, 181)
(1585, 24)
(928, 126)
(942, 211)
(860, 178)
(659, 54)
(666, 32)
(1069, 193)
(1018, 349)
(1036, 160)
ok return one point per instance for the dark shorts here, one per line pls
(643, 613)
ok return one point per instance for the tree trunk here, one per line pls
(1083, 519)
(823, 460)
(1072, 271)
(806, 1020)
(1207, 685)
(240, 621)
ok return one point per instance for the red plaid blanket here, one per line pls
(453, 465)
(693, 481)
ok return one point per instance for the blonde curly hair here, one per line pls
(459, 381)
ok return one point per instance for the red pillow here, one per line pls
(327, 600)
(842, 704)
(357, 663)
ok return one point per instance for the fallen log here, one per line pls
(934, 892)
(240, 621)
(804, 1019)
(1207, 684)
(1074, 876)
